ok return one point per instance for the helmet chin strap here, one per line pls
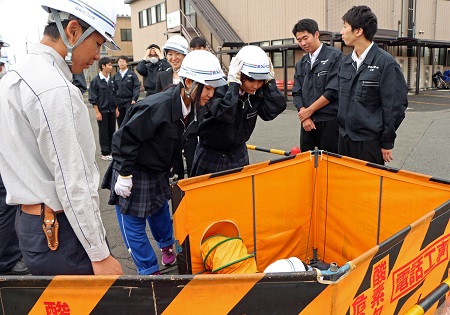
(188, 93)
(70, 48)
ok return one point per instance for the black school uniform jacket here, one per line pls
(102, 94)
(230, 120)
(372, 99)
(127, 88)
(310, 83)
(150, 133)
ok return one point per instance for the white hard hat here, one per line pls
(3, 59)
(256, 63)
(100, 15)
(177, 43)
(203, 67)
(2, 43)
(292, 264)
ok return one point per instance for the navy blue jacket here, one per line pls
(102, 94)
(372, 100)
(127, 88)
(320, 80)
(150, 71)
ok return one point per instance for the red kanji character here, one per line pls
(416, 274)
(379, 274)
(428, 257)
(359, 305)
(62, 308)
(442, 251)
(402, 281)
(50, 308)
(378, 296)
(378, 311)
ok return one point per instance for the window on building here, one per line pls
(161, 12)
(125, 34)
(152, 15)
(143, 21)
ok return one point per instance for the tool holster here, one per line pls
(50, 226)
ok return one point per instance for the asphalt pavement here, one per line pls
(421, 146)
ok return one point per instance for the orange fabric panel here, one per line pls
(74, 295)
(206, 294)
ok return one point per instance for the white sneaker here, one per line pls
(106, 157)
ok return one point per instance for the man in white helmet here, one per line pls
(230, 120)
(143, 150)
(47, 148)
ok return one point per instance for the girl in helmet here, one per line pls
(230, 120)
(143, 150)
(175, 49)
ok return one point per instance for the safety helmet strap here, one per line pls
(70, 48)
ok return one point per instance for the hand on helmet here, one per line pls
(272, 72)
(234, 71)
(123, 186)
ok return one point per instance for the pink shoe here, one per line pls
(168, 257)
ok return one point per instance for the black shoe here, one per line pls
(19, 269)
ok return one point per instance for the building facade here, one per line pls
(417, 30)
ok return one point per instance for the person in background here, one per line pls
(47, 148)
(102, 98)
(79, 81)
(11, 262)
(372, 92)
(231, 118)
(149, 67)
(197, 43)
(315, 89)
(126, 87)
(143, 149)
(175, 49)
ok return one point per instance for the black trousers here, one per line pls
(9, 244)
(106, 128)
(69, 259)
(123, 107)
(324, 137)
(369, 151)
(190, 144)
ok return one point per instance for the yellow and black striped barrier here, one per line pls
(428, 301)
(295, 150)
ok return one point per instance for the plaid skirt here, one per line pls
(149, 193)
(208, 160)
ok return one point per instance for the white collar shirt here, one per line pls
(47, 147)
(123, 73)
(360, 60)
(100, 74)
(314, 55)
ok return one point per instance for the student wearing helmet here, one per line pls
(47, 148)
(143, 151)
(175, 49)
(229, 120)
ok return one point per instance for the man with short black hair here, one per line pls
(126, 87)
(102, 98)
(372, 92)
(315, 89)
(149, 67)
(197, 43)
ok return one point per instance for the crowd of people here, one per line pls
(350, 105)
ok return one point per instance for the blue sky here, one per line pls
(23, 21)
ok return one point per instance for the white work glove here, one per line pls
(234, 71)
(272, 72)
(123, 186)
